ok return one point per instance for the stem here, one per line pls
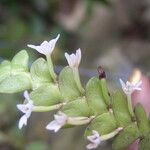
(111, 134)
(51, 68)
(47, 108)
(130, 105)
(77, 79)
(79, 120)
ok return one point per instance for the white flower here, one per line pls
(129, 87)
(59, 121)
(74, 59)
(26, 108)
(94, 139)
(46, 47)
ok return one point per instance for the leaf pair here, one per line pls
(96, 93)
(133, 130)
(76, 103)
(45, 91)
(14, 76)
(104, 124)
(40, 73)
(94, 96)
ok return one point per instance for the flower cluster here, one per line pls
(47, 48)
(61, 119)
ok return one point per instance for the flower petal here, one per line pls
(129, 87)
(91, 146)
(78, 54)
(46, 47)
(52, 43)
(22, 121)
(68, 59)
(32, 46)
(74, 59)
(37, 48)
(26, 95)
(94, 139)
(61, 118)
(44, 43)
(53, 126)
(122, 83)
(22, 108)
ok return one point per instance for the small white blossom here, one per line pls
(46, 47)
(59, 121)
(94, 139)
(26, 108)
(129, 87)
(74, 59)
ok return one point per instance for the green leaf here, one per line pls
(5, 68)
(20, 61)
(144, 144)
(15, 83)
(95, 97)
(13, 75)
(67, 85)
(40, 73)
(141, 118)
(120, 109)
(126, 137)
(104, 124)
(77, 108)
(105, 92)
(46, 95)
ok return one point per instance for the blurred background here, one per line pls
(112, 33)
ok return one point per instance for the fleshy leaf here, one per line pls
(46, 95)
(5, 68)
(145, 143)
(40, 73)
(95, 97)
(67, 85)
(126, 137)
(15, 83)
(105, 91)
(20, 61)
(13, 75)
(120, 109)
(141, 118)
(77, 108)
(104, 124)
